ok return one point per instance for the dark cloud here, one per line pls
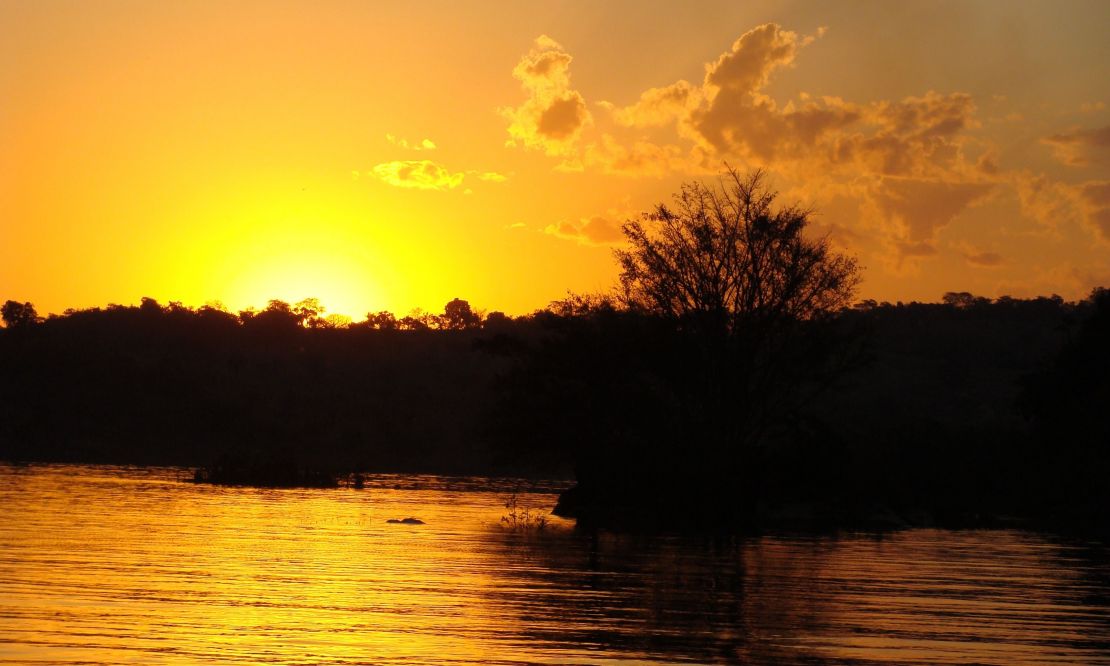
(1081, 147)
(563, 117)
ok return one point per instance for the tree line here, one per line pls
(308, 313)
(729, 380)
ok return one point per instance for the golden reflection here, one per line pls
(110, 565)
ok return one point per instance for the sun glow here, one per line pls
(341, 284)
(383, 157)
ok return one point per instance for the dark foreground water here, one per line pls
(110, 565)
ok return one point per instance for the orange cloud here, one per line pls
(1095, 200)
(659, 106)
(1052, 203)
(641, 158)
(553, 115)
(919, 208)
(978, 258)
(1046, 201)
(595, 230)
(910, 167)
(1081, 147)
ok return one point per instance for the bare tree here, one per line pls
(726, 259)
(749, 287)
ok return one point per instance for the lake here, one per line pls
(110, 565)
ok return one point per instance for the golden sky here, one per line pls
(393, 156)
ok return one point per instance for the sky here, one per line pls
(391, 156)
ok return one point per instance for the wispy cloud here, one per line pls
(424, 144)
(977, 257)
(417, 174)
(427, 175)
(1081, 147)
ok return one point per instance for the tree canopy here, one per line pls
(725, 257)
(17, 315)
(751, 292)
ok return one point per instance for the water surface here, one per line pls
(105, 565)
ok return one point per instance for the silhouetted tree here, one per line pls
(497, 321)
(277, 319)
(722, 329)
(458, 316)
(725, 261)
(335, 320)
(418, 320)
(382, 321)
(311, 313)
(150, 307)
(745, 284)
(18, 315)
(964, 300)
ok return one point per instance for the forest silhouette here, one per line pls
(729, 382)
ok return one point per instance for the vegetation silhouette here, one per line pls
(1067, 403)
(701, 394)
(249, 396)
(271, 471)
(18, 315)
(721, 331)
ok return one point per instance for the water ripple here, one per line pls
(107, 565)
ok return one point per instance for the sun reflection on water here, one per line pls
(111, 565)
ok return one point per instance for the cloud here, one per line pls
(1053, 203)
(919, 208)
(1094, 197)
(917, 249)
(659, 106)
(417, 174)
(554, 114)
(640, 158)
(1081, 147)
(595, 230)
(902, 169)
(747, 66)
(736, 118)
(425, 144)
(904, 161)
(1050, 203)
(489, 176)
(731, 117)
(984, 259)
(978, 258)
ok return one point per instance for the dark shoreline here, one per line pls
(962, 414)
(799, 518)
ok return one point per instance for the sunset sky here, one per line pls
(392, 156)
